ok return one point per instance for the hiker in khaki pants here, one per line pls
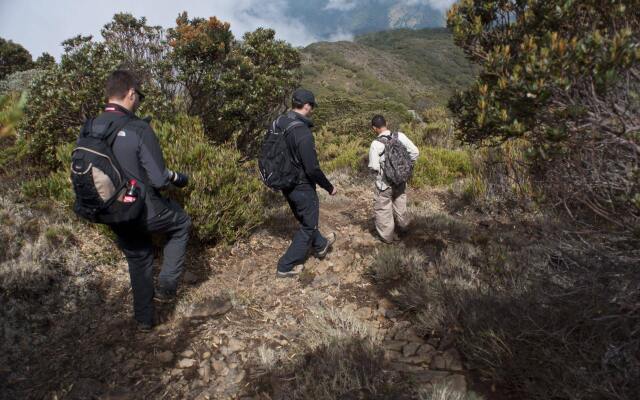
(390, 201)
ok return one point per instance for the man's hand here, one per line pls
(179, 180)
(335, 190)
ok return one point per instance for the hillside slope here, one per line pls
(417, 68)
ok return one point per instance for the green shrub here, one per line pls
(11, 111)
(19, 81)
(224, 197)
(438, 166)
(67, 93)
(340, 152)
(347, 116)
(235, 87)
(560, 87)
(57, 185)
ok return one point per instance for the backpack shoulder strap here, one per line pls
(117, 127)
(385, 141)
(86, 128)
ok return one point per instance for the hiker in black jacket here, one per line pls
(303, 198)
(138, 152)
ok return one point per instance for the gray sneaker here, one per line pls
(330, 240)
(295, 271)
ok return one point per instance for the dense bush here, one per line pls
(235, 87)
(224, 197)
(352, 117)
(564, 76)
(69, 92)
(13, 57)
(11, 110)
(437, 166)
(19, 81)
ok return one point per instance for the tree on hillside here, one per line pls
(234, 86)
(564, 76)
(45, 61)
(73, 90)
(13, 58)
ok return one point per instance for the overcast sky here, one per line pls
(41, 25)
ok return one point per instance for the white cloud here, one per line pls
(442, 5)
(341, 5)
(41, 25)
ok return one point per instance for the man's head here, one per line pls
(123, 88)
(303, 102)
(378, 124)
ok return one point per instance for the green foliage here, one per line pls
(234, 87)
(341, 152)
(65, 95)
(538, 59)
(13, 58)
(416, 68)
(56, 186)
(11, 110)
(352, 117)
(145, 50)
(558, 74)
(73, 90)
(19, 81)
(45, 61)
(438, 166)
(224, 196)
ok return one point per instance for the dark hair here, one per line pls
(378, 121)
(119, 83)
(297, 104)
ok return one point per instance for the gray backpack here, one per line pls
(398, 166)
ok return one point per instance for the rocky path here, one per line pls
(234, 317)
(265, 314)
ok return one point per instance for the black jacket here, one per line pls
(138, 151)
(302, 145)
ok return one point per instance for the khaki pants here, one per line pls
(390, 208)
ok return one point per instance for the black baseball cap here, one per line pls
(304, 96)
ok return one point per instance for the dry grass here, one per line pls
(446, 392)
(542, 316)
(33, 249)
(341, 359)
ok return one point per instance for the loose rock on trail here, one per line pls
(232, 310)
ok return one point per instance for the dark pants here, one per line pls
(306, 209)
(134, 239)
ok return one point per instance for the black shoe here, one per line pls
(164, 295)
(144, 327)
(295, 271)
(323, 253)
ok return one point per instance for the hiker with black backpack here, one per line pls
(289, 163)
(117, 172)
(391, 157)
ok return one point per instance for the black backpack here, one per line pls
(98, 180)
(398, 166)
(278, 168)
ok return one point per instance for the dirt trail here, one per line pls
(233, 313)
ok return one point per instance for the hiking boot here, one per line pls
(164, 295)
(393, 240)
(144, 327)
(330, 240)
(295, 271)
